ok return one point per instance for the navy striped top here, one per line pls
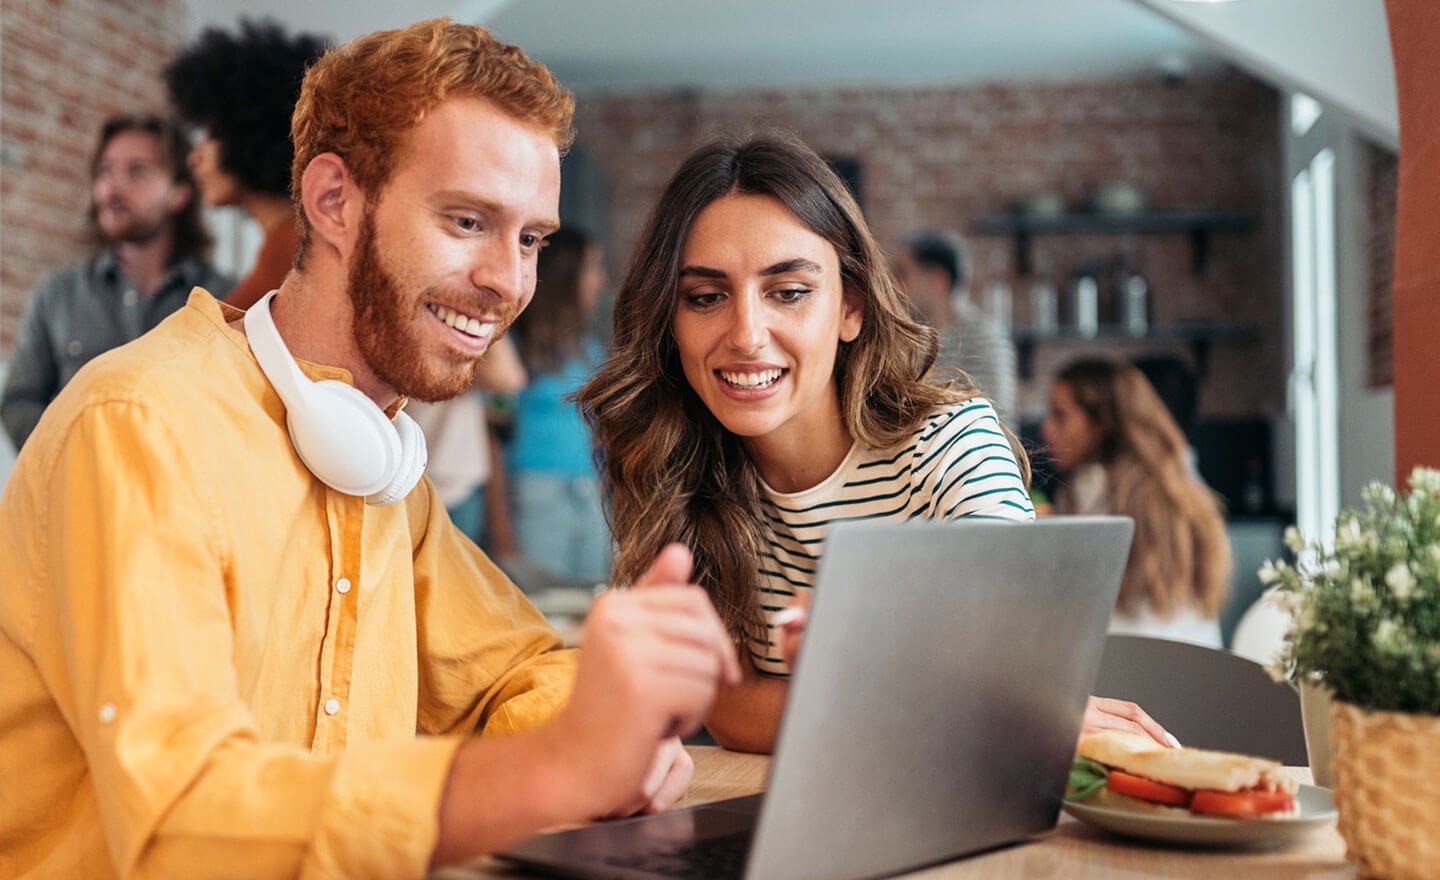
(957, 464)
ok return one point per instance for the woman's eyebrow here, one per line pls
(799, 264)
(701, 271)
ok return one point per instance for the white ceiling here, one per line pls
(594, 45)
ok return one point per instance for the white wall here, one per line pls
(1367, 416)
(1336, 51)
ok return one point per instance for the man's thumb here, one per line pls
(671, 566)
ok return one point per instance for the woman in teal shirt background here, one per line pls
(558, 515)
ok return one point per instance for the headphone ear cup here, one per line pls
(344, 438)
(411, 462)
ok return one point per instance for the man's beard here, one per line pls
(134, 230)
(387, 335)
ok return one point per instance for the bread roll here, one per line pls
(1187, 768)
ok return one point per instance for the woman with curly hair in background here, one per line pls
(238, 90)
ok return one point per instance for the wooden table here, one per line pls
(1072, 851)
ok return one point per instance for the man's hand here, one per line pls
(652, 658)
(1106, 714)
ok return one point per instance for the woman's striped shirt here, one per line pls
(958, 463)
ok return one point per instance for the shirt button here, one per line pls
(74, 347)
(332, 706)
(130, 297)
(107, 713)
(343, 585)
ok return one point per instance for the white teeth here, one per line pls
(751, 380)
(466, 325)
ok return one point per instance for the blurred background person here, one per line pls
(1119, 452)
(934, 269)
(151, 249)
(238, 92)
(558, 514)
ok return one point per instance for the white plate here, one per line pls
(1316, 809)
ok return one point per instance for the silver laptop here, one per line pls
(933, 712)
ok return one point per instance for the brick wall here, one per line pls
(948, 156)
(65, 65)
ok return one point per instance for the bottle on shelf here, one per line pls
(1044, 307)
(1085, 305)
(1044, 298)
(999, 303)
(1131, 299)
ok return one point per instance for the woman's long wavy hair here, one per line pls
(670, 470)
(1180, 555)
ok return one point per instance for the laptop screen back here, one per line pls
(939, 692)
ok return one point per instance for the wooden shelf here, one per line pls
(1199, 225)
(1198, 336)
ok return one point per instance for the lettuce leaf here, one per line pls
(1086, 778)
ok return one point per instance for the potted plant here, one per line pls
(1365, 625)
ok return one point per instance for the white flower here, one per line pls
(1278, 670)
(1305, 620)
(1387, 636)
(1269, 573)
(1347, 533)
(1401, 581)
(1425, 480)
(1361, 593)
(1293, 539)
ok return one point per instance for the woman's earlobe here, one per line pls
(852, 318)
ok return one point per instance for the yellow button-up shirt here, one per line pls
(211, 662)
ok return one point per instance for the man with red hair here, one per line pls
(237, 636)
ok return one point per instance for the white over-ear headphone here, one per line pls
(340, 434)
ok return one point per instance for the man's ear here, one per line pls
(332, 201)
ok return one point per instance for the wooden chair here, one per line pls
(1206, 697)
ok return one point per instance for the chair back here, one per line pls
(1208, 698)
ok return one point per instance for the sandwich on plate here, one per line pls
(1116, 768)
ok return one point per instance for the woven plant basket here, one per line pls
(1386, 769)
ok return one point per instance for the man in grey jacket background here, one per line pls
(934, 269)
(152, 249)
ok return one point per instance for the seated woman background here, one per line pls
(1120, 452)
(765, 380)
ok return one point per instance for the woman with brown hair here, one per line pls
(766, 379)
(1121, 452)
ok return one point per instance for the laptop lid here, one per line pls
(933, 711)
(939, 692)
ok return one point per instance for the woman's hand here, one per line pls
(1102, 713)
(792, 627)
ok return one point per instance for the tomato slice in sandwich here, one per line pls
(1147, 789)
(1243, 804)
